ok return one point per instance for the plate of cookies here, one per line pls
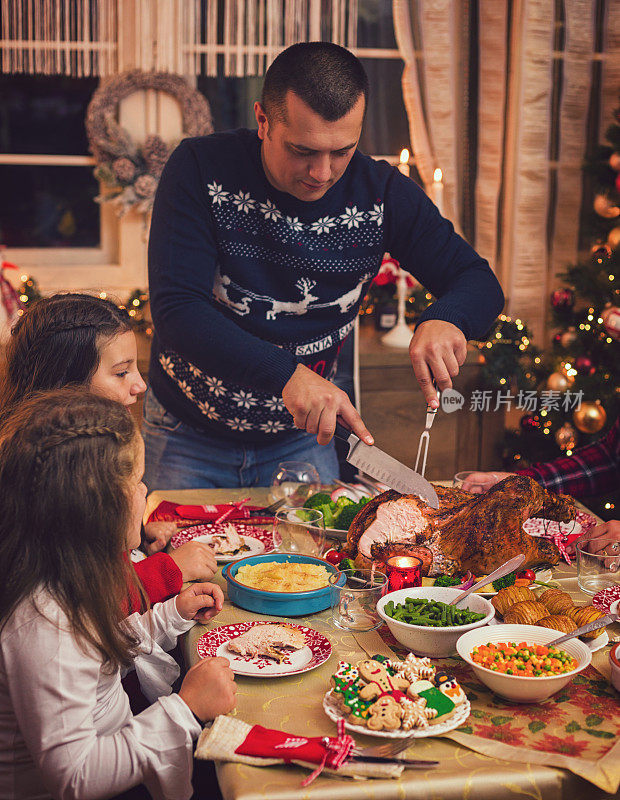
(396, 699)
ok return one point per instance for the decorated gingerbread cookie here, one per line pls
(385, 714)
(434, 699)
(448, 685)
(346, 687)
(378, 681)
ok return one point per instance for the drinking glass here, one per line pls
(294, 480)
(597, 571)
(299, 530)
(460, 478)
(354, 603)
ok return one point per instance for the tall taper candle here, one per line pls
(438, 190)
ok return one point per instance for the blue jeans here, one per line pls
(181, 457)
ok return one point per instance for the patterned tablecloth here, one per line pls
(518, 751)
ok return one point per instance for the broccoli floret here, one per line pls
(343, 502)
(347, 515)
(503, 583)
(328, 515)
(317, 500)
(447, 580)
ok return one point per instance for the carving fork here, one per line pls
(424, 441)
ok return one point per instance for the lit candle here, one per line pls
(404, 162)
(438, 190)
(403, 572)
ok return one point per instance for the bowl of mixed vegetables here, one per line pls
(515, 662)
(422, 620)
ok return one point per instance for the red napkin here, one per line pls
(167, 511)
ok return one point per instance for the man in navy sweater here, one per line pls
(262, 246)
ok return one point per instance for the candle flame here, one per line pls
(404, 156)
(437, 175)
(404, 562)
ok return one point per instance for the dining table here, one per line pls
(294, 704)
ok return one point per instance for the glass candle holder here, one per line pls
(403, 572)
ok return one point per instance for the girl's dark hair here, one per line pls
(324, 75)
(56, 342)
(66, 457)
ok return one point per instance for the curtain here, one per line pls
(188, 37)
(529, 91)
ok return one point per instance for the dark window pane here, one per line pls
(48, 207)
(375, 25)
(386, 130)
(44, 114)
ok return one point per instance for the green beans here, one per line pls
(432, 613)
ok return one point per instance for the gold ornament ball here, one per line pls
(590, 417)
(566, 437)
(605, 208)
(614, 161)
(559, 382)
(613, 238)
(569, 337)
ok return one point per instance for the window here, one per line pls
(44, 163)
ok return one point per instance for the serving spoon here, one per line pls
(509, 566)
(601, 622)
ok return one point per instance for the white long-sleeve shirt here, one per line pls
(66, 728)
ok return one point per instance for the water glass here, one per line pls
(460, 478)
(600, 570)
(354, 603)
(299, 530)
(294, 480)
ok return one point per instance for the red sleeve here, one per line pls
(160, 577)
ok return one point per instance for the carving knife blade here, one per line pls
(385, 469)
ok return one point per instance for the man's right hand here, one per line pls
(316, 403)
(209, 688)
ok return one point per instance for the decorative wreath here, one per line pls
(131, 171)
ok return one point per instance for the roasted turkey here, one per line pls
(467, 531)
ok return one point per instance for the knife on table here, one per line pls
(407, 762)
(382, 467)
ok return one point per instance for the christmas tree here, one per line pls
(583, 363)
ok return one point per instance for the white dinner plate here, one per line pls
(259, 540)
(458, 718)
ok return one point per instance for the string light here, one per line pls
(609, 506)
(569, 452)
(103, 295)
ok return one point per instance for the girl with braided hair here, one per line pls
(80, 340)
(71, 467)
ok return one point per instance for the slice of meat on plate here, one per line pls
(272, 641)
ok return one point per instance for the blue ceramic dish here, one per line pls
(279, 604)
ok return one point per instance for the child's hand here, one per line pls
(196, 561)
(209, 688)
(201, 601)
(157, 535)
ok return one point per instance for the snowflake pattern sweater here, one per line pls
(247, 281)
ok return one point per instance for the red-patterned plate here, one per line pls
(215, 643)
(263, 535)
(537, 526)
(604, 599)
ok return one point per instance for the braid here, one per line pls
(45, 446)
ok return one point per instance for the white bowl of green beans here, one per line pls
(421, 619)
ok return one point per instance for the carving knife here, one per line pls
(385, 469)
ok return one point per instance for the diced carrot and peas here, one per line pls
(530, 661)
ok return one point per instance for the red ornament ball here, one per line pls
(618, 181)
(584, 365)
(557, 339)
(563, 299)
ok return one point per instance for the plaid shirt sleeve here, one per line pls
(592, 470)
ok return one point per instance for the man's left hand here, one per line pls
(437, 350)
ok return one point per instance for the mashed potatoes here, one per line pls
(274, 576)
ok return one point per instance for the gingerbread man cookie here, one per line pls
(378, 680)
(385, 714)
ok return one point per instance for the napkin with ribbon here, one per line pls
(168, 511)
(231, 739)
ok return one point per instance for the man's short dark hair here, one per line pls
(325, 76)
